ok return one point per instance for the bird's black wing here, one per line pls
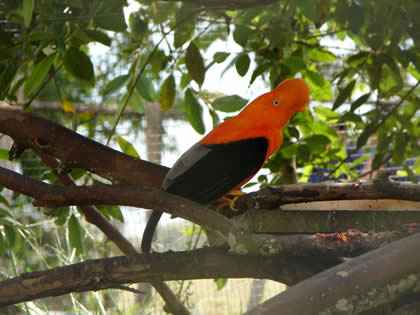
(207, 172)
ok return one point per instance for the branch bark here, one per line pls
(99, 274)
(355, 286)
(83, 152)
(94, 217)
(380, 188)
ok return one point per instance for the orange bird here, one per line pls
(233, 152)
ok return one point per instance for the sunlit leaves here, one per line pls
(167, 93)
(28, 8)
(127, 147)
(194, 111)
(79, 64)
(326, 114)
(195, 64)
(320, 87)
(220, 283)
(38, 74)
(230, 103)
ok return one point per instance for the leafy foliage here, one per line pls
(361, 60)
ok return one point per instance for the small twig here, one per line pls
(51, 75)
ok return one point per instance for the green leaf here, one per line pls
(2, 245)
(359, 160)
(115, 212)
(317, 144)
(241, 35)
(308, 8)
(4, 201)
(111, 17)
(12, 236)
(4, 154)
(229, 104)
(115, 84)
(295, 64)
(28, 8)
(138, 26)
(320, 88)
(366, 133)
(145, 88)
(167, 93)
(79, 64)
(220, 283)
(195, 64)
(99, 37)
(359, 102)
(75, 234)
(135, 102)
(242, 64)
(417, 166)
(220, 56)
(4, 213)
(127, 147)
(38, 74)
(194, 112)
(344, 94)
(185, 22)
(326, 114)
(163, 11)
(321, 55)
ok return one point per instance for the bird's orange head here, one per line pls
(276, 107)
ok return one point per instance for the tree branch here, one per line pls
(358, 285)
(240, 241)
(85, 153)
(99, 274)
(381, 188)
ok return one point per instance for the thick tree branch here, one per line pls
(324, 221)
(93, 216)
(240, 241)
(358, 285)
(381, 188)
(77, 151)
(98, 274)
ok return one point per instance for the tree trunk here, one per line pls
(154, 132)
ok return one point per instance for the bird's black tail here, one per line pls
(149, 231)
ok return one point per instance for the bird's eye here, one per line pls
(276, 102)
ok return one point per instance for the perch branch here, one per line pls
(98, 274)
(93, 216)
(83, 152)
(240, 241)
(355, 286)
(273, 197)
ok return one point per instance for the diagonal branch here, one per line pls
(239, 241)
(83, 152)
(99, 274)
(356, 286)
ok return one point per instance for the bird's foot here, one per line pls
(229, 200)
